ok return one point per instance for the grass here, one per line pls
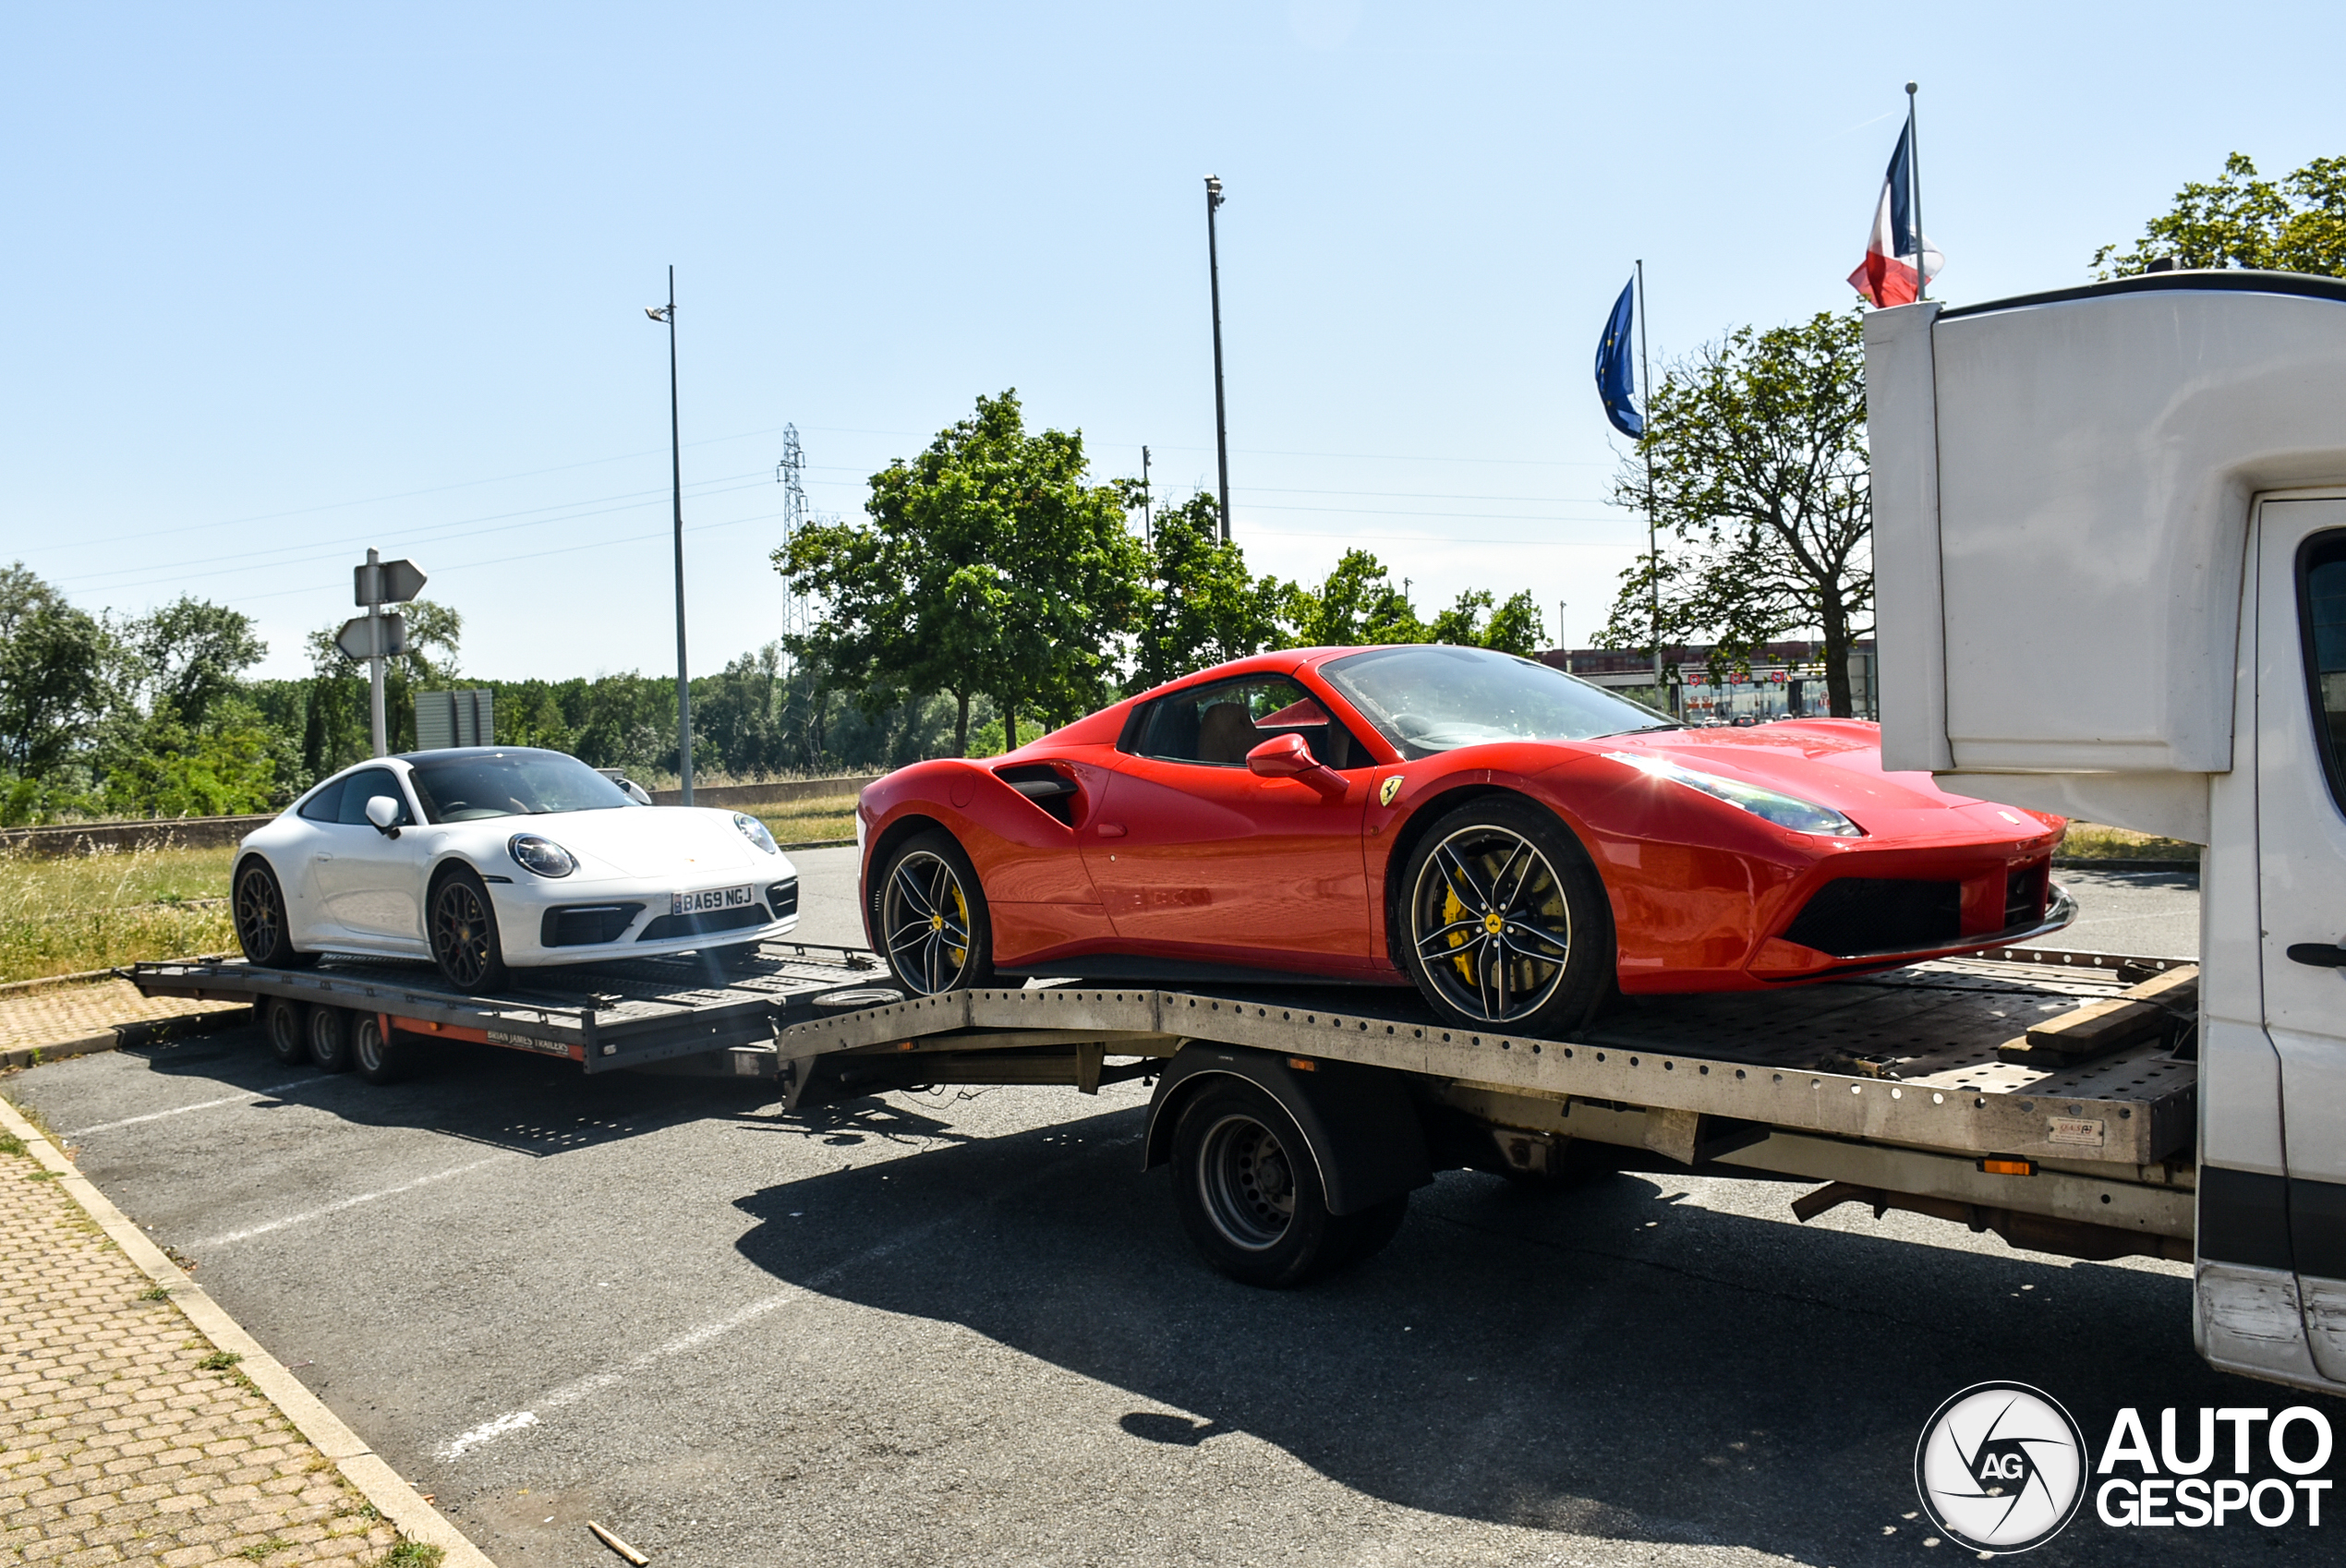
(2091, 842)
(809, 822)
(219, 1361)
(411, 1554)
(77, 912)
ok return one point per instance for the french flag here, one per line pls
(1887, 275)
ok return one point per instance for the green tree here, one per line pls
(1756, 453)
(2294, 224)
(989, 565)
(195, 653)
(338, 727)
(1355, 604)
(1203, 607)
(1515, 627)
(57, 677)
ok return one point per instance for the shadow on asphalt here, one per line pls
(528, 1104)
(1611, 1359)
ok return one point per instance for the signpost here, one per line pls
(375, 636)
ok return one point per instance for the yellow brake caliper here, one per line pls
(1452, 911)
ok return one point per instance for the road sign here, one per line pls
(388, 582)
(357, 637)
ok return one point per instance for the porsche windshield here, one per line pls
(466, 787)
(1436, 698)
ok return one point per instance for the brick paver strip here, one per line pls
(118, 1446)
(72, 1020)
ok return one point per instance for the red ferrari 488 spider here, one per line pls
(1515, 843)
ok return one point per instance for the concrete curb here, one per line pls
(123, 1036)
(365, 1470)
(818, 844)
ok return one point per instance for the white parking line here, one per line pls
(570, 1394)
(340, 1204)
(245, 1099)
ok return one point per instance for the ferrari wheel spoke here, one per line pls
(1462, 879)
(913, 893)
(1516, 936)
(1437, 944)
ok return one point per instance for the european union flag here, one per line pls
(1616, 378)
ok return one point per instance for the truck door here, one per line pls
(2300, 833)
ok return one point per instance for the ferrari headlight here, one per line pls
(1769, 805)
(754, 831)
(542, 855)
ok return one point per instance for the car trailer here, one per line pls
(2047, 1096)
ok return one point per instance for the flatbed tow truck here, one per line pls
(2047, 1096)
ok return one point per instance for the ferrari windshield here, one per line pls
(1435, 698)
(467, 786)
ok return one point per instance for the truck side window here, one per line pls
(2321, 579)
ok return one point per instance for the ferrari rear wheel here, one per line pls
(929, 914)
(1504, 923)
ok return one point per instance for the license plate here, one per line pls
(711, 901)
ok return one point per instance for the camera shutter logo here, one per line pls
(2001, 1468)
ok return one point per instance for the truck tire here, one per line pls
(1248, 1189)
(287, 1031)
(373, 1054)
(328, 1031)
(257, 904)
(929, 914)
(1503, 921)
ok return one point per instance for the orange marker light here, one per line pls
(2009, 1167)
(1303, 1064)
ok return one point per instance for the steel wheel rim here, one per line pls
(460, 933)
(285, 1031)
(365, 1044)
(1490, 923)
(1247, 1178)
(257, 925)
(924, 919)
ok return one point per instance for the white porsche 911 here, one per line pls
(482, 858)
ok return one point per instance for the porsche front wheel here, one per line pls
(464, 933)
(929, 915)
(1504, 923)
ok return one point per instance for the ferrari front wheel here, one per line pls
(929, 916)
(1504, 922)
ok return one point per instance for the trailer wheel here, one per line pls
(931, 917)
(1504, 923)
(1248, 1187)
(258, 906)
(281, 1024)
(465, 943)
(372, 1054)
(329, 1036)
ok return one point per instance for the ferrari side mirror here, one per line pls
(1288, 756)
(383, 811)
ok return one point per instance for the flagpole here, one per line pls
(1653, 560)
(1914, 183)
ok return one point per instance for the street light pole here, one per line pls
(667, 313)
(1221, 421)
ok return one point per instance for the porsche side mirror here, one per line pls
(1288, 756)
(635, 792)
(383, 811)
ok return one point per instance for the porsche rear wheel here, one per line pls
(930, 917)
(464, 933)
(258, 906)
(1504, 923)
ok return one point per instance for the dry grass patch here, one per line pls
(2091, 842)
(77, 912)
(810, 822)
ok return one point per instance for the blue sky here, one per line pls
(289, 282)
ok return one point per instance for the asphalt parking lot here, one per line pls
(963, 1327)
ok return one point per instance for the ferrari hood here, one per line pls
(649, 841)
(1836, 763)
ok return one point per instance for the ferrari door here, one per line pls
(2301, 831)
(1197, 858)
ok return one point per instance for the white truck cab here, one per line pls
(2111, 536)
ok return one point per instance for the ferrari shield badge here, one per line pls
(1389, 789)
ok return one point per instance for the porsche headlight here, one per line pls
(754, 831)
(1769, 805)
(540, 855)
